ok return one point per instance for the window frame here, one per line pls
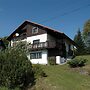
(37, 41)
(36, 55)
(34, 30)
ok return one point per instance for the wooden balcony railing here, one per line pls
(42, 45)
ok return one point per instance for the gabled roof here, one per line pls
(50, 30)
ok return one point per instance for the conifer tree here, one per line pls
(86, 29)
(80, 43)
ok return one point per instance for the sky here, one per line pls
(62, 15)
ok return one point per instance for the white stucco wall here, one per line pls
(43, 60)
(42, 37)
(12, 41)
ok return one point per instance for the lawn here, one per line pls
(61, 77)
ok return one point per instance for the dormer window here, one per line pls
(34, 30)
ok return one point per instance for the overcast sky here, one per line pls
(63, 15)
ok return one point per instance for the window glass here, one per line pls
(36, 41)
(36, 55)
(34, 30)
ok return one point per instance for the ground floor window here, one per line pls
(36, 55)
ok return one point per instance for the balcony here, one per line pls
(42, 45)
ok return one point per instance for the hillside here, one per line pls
(61, 77)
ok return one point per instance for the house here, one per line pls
(43, 42)
(2, 46)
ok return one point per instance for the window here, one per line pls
(36, 55)
(0, 43)
(36, 41)
(34, 30)
(69, 47)
(88, 33)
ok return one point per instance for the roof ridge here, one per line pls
(43, 26)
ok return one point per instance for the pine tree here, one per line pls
(80, 43)
(86, 29)
(86, 36)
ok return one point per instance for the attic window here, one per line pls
(34, 30)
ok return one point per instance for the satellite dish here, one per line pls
(17, 34)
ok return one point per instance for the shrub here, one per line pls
(73, 63)
(38, 71)
(52, 61)
(15, 69)
(77, 62)
(82, 62)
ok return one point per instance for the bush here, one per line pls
(82, 62)
(15, 69)
(52, 61)
(38, 71)
(77, 62)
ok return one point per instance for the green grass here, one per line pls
(61, 77)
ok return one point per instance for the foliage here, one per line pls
(2, 46)
(86, 35)
(15, 69)
(80, 44)
(5, 88)
(52, 61)
(6, 42)
(88, 50)
(38, 71)
(77, 62)
(86, 29)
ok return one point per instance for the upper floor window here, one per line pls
(36, 41)
(34, 30)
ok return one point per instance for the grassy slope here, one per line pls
(61, 77)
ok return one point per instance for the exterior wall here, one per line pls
(50, 38)
(12, 42)
(43, 60)
(42, 37)
(67, 43)
(54, 52)
(67, 48)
